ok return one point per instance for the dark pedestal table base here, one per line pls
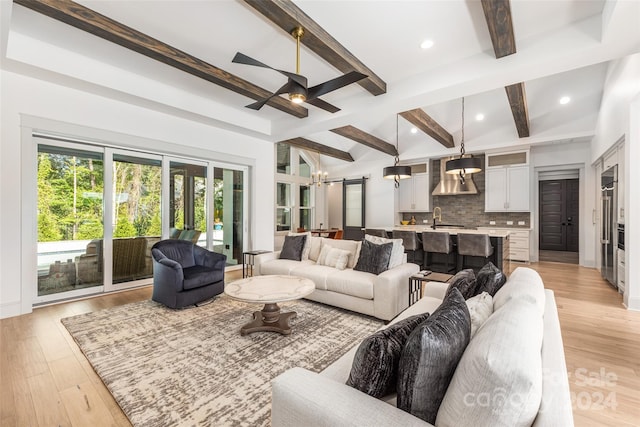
(269, 320)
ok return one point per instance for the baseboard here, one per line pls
(11, 309)
(634, 304)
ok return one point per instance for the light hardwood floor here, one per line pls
(46, 381)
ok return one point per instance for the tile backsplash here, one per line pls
(467, 209)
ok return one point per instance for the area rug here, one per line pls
(169, 367)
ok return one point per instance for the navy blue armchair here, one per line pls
(185, 274)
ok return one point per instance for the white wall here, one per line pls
(31, 102)
(620, 116)
(571, 156)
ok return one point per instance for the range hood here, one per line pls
(450, 184)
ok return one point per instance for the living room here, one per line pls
(60, 82)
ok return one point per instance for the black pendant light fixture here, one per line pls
(396, 172)
(465, 164)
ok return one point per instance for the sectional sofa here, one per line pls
(383, 296)
(496, 382)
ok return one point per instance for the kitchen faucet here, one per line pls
(437, 214)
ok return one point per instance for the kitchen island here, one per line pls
(499, 240)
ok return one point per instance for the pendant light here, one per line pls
(319, 177)
(465, 164)
(395, 172)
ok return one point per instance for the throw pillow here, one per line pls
(430, 357)
(480, 308)
(498, 381)
(489, 279)
(292, 248)
(375, 366)
(465, 281)
(338, 258)
(374, 258)
(397, 253)
(322, 258)
(314, 245)
(524, 283)
(307, 244)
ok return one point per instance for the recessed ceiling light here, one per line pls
(565, 100)
(479, 117)
(426, 44)
(414, 130)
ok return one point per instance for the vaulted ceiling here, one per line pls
(511, 60)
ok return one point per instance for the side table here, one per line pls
(417, 281)
(247, 262)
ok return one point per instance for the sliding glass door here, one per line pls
(187, 201)
(228, 213)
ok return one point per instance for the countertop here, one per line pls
(452, 231)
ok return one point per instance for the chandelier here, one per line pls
(465, 163)
(396, 172)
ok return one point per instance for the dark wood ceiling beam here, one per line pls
(518, 103)
(85, 19)
(426, 124)
(286, 15)
(367, 139)
(307, 144)
(497, 13)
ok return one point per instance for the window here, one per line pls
(304, 167)
(295, 197)
(283, 158)
(305, 207)
(283, 206)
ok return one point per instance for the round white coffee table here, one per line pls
(269, 290)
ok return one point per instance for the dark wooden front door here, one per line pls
(353, 212)
(559, 209)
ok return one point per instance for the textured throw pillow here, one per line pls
(337, 258)
(374, 258)
(307, 244)
(375, 366)
(498, 381)
(314, 245)
(489, 279)
(465, 281)
(430, 357)
(480, 308)
(322, 258)
(292, 248)
(397, 253)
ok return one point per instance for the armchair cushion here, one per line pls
(199, 275)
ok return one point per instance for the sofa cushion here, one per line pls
(282, 266)
(306, 250)
(350, 245)
(374, 258)
(351, 282)
(293, 247)
(199, 275)
(315, 243)
(334, 257)
(397, 252)
(465, 281)
(430, 357)
(498, 381)
(523, 283)
(480, 308)
(317, 273)
(489, 279)
(375, 366)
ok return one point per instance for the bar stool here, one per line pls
(412, 245)
(376, 232)
(435, 242)
(478, 245)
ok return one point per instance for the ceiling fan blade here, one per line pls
(317, 102)
(241, 58)
(259, 104)
(334, 84)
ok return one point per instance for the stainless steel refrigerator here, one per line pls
(608, 235)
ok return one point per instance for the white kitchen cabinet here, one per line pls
(507, 189)
(518, 242)
(414, 194)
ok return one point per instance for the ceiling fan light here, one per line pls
(396, 172)
(297, 98)
(464, 164)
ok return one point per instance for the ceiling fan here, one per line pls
(296, 85)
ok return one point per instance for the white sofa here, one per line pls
(383, 296)
(301, 397)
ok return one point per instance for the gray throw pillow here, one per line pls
(375, 366)
(465, 281)
(374, 258)
(489, 279)
(292, 248)
(430, 357)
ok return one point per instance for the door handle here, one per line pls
(565, 223)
